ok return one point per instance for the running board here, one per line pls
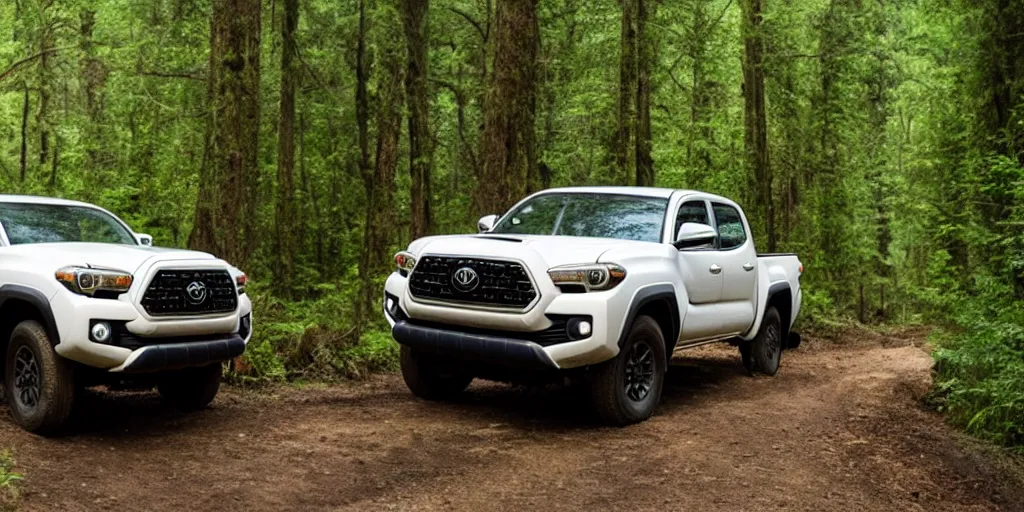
(695, 344)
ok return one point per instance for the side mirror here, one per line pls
(486, 223)
(693, 235)
(144, 239)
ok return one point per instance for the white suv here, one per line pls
(85, 301)
(597, 283)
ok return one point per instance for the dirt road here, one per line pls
(837, 429)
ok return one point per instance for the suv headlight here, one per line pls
(88, 281)
(593, 277)
(404, 262)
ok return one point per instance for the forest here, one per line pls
(308, 140)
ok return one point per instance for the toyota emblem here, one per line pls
(465, 279)
(195, 292)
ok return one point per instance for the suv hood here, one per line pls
(121, 257)
(554, 250)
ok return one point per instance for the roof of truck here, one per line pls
(627, 191)
(41, 200)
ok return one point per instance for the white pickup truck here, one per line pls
(600, 283)
(86, 301)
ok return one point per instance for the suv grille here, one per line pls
(190, 292)
(473, 281)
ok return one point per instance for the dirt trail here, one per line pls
(838, 428)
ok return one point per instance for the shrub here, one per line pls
(9, 482)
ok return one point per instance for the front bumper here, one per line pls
(460, 333)
(514, 353)
(174, 356)
(149, 337)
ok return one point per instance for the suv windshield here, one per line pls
(27, 223)
(590, 215)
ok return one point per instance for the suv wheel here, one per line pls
(766, 348)
(191, 388)
(39, 385)
(626, 389)
(429, 379)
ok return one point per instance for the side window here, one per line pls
(730, 226)
(691, 211)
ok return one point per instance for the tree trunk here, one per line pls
(45, 78)
(755, 124)
(362, 101)
(415, 21)
(646, 57)
(225, 209)
(380, 184)
(285, 215)
(24, 134)
(507, 149)
(625, 151)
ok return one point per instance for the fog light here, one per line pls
(579, 327)
(583, 328)
(100, 332)
(390, 305)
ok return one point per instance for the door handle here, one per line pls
(715, 269)
(748, 266)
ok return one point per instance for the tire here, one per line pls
(766, 349)
(642, 359)
(39, 385)
(430, 379)
(192, 388)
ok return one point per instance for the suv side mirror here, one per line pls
(486, 223)
(693, 235)
(144, 239)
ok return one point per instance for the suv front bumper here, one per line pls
(156, 344)
(507, 350)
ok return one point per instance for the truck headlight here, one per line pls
(600, 276)
(404, 262)
(88, 281)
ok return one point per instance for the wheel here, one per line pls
(39, 385)
(767, 345)
(430, 379)
(191, 388)
(627, 389)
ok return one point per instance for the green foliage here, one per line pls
(980, 377)
(9, 482)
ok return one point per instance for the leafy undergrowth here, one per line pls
(312, 340)
(980, 367)
(10, 482)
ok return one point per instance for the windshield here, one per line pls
(590, 215)
(41, 223)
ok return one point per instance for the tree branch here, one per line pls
(194, 75)
(468, 18)
(14, 67)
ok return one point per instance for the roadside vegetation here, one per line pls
(881, 141)
(10, 482)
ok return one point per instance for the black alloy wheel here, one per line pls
(26, 378)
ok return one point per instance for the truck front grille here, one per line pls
(472, 281)
(190, 292)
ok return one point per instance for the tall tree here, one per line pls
(646, 57)
(416, 24)
(507, 145)
(378, 232)
(286, 219)
(225, 213)
(755, 122)
(625, 149)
